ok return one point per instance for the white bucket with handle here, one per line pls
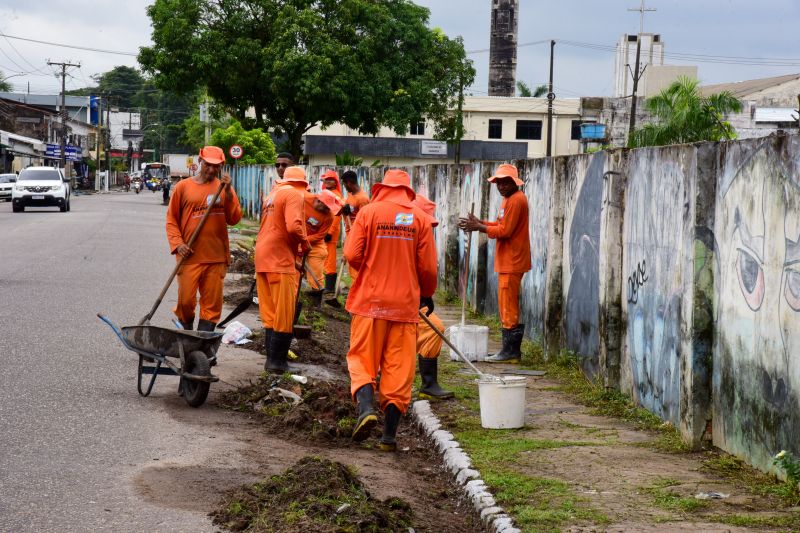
(502, 402)
(472, 341)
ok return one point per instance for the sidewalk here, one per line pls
(570, 469)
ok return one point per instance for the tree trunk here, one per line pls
(296, 142)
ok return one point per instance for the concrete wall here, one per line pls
(672, 272)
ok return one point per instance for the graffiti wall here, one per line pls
(655, 229)
(756, 384)
(581, 283)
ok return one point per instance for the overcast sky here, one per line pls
(732, 28)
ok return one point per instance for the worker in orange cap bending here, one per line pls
(512, 257)
(391, 245)
(206, 263)
(330, 181)
(429, 344)
(320, 210)
(282, 233)
(355, 201)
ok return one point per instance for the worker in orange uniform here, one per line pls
(330, 181)
(512, 257)
(205, 264)
(282, 233)
(429, 344)
(320, 210)
(391, 245)
(355, 201)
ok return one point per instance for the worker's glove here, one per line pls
(328, 237)
(347, 210)
(426, 301)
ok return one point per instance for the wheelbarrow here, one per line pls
(194, 350)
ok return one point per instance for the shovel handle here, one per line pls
(467, 254)
(192, 238)
(427, 320)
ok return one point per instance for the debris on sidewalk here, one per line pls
(236, 333)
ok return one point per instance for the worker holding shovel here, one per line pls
(320, 210)
(282, 233)
(391, 245)
(512, 257)
(206, 262)
(429, 343)
(330, 181)
(356, 200)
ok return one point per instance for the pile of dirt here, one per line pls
(313, 495)
(243, 261)
(319, 409)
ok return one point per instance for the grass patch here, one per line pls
(790, 522)
(666, 499)
(756, 482)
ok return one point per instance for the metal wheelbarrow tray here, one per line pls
(195, 351)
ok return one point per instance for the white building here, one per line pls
(495, 128)
(656, 76)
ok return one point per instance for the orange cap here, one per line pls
(294, 175)
(212, 155)
(331, 174)
(428, 207)
(395, 178)
(333, 202)
(506, 171)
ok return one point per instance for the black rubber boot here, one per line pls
(330, 282)
(367, 418)
(188, 325)
(391, 419)
(278, 356)
(205, 325)
(505, 355)
(515, 342)
(267, 340)
(429, 374)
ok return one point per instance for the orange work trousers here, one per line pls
(276, 300)
(315, 266)
(429, 344)
(385, 347)
(207, 278)
(508, 298)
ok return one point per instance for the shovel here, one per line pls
(334, 302)
(146, 319)
(300, 331)
(241, 308)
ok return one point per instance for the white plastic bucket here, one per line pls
(502, 404)
(472, 341)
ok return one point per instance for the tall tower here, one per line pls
(503, 48)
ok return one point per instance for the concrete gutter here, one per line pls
(458, 463)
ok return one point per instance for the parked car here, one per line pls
(6, 184)
(40, 187)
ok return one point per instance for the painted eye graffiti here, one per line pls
(791, 291)
(751, 279)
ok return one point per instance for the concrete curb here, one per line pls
(458, 463)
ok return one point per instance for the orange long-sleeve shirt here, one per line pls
(391, 245)
(187, 206)
(283, 230)
(317, 224)
(513, 250)
(336, 227)
(357, 202)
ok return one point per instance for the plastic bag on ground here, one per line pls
(236, 333)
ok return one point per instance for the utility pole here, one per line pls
(459, 118)
(550, 97)
(64, 116)
(636, 74)
(108, 139)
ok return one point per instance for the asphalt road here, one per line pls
(73, 430)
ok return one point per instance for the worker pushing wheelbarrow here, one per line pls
(201, 266)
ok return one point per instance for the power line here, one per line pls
(76, 47)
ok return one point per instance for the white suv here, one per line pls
(40, 187)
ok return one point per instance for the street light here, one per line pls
(13, 76)
(160, 137)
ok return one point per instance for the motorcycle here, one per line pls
(136, 187)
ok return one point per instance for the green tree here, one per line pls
(682, 115)
(257, 145)
(299, 63)
(5, 86)
(524, 90)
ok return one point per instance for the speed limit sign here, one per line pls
(236, 151)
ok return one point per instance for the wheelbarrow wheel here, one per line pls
(196, 392)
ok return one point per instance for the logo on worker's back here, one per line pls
(404, 219)
(312, 221)
(210, 197)
(501, 214)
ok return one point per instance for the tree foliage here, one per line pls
(683, 115)
(5, 86)
(302, 63)
(524, 90)
(257, 144)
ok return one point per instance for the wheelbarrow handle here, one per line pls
(196, 231)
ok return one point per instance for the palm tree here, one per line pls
(524, 90)
(682, 115)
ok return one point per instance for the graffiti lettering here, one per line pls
(637, 278)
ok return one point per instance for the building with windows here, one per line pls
(656, 76)
(495, 129)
